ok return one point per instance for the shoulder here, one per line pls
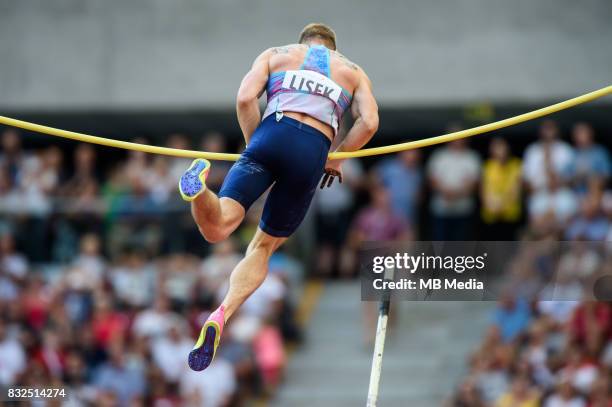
(285, 49)
(343, 59)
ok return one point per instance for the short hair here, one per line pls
(319, 30)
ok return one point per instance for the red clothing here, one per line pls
(109, 326)
(600, 315)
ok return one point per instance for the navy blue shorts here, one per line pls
(289, 154)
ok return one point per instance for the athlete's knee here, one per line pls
(215, 234)
(266, 243)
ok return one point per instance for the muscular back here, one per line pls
(290, 57)
(274, 61)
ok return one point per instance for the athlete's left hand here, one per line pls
(333, 169)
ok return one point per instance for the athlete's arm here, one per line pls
(365, 113)
(247, 101)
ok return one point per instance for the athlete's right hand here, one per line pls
(333, 169)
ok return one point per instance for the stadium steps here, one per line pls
(424, 355)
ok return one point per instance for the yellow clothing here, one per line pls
(501, 184)
(508, 400)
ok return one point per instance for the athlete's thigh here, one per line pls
(245, 182)
(288, 202)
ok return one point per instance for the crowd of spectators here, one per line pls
(104, 278)
(105, 283)
(551, 346)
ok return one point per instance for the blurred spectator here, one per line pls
(178, 165)
(547, 171)
(549, 160)
(10, 198)
(501, 192)
(13, 268)
(591, 224)
(564, 396)
(521, 394)
(12, 356)
(512, 316)
(108, 325)
(167, 348)
(401, 176)
(156, 321)
(84, 174)
(213, 389)
(214, 142)
(133, 279)
(269, 355)
(89, 259)
(42, 179)
(177, 278)
(13, 158)
(159, 180)
(334, 211)
(127, 383)
(217, 267)
(467, 395)
(592, 163)
(453, 172)
(377, 222)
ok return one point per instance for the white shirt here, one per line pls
(452, 170)
(561, 156)
(214, 386)
(12, 361)
(170, 356)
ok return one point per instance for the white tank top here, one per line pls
(309, 90)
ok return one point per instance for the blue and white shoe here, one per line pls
(193, 181)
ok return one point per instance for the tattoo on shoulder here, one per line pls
(347, 61)
(283, 50)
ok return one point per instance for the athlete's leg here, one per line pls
(216, 217)
(251, 271)
(246, 277)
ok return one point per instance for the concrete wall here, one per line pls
(160, 54)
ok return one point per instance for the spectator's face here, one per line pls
(84, 156)
(138, 155)
(380, 198)
(213, 142)
(499, 150)
(53, 157)
(582, 135)
(458, 145)
(162, 304)
(90, 245)
(590, 207)
(174, 333)
(178, 141)
(507, 302)
(549, 131)
(7, 244)
(410, 158)
(74, 366)
(10, 141)
(520, 387)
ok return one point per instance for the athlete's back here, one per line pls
(291, 57)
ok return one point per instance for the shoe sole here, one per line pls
(191, 183)
(204, 352)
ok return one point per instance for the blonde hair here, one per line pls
(321, 31)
